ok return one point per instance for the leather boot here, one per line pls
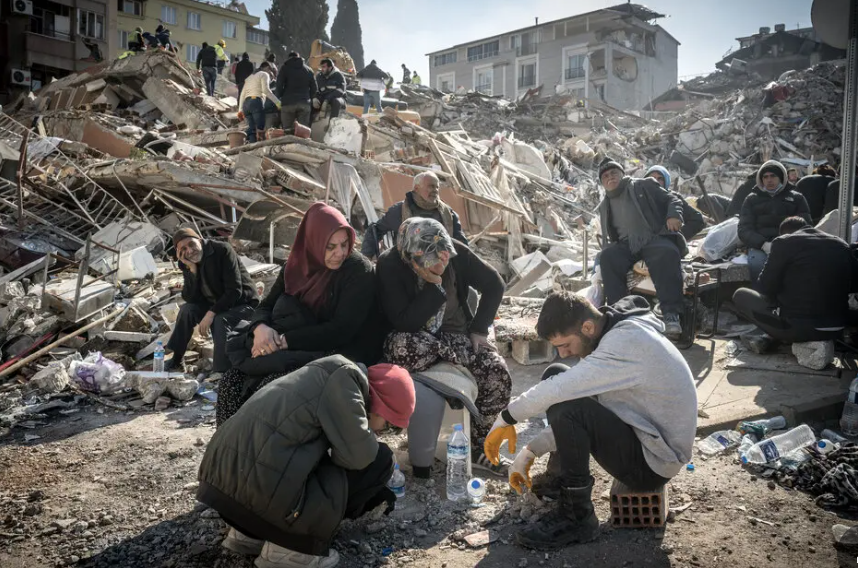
(548, 484)
(573, 522)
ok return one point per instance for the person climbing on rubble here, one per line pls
(642, 221)
(372, 83)
(243, 70)
(207, 67)
(151, 40)
(296, 87)
(424, 285)
(424, 200)
(814, 187)
(803, 291)
(136, 42)
(406, 75)
(301, 455)
(692, 220)
(257, 89)
(637, 419)
(163, 35)
(323, 302)
(772, 200)
(415, 79)
(218, 293)
(222, 57)
(331, 88)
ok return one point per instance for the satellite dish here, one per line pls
(830, 20)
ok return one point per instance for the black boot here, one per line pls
(548, 484)
(573, 521)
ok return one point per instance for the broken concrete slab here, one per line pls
(52, 379)
(175, 107)
(815, 355)
(128, 336)
(530, 278)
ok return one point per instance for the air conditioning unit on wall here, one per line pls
(22, 77)
(22, 7)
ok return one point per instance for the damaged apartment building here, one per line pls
(616, 55)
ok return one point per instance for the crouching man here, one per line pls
(218, 293)
(630, 402)
(301, 455)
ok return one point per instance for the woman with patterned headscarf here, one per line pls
(424, 284)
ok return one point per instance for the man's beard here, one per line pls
(588, 344)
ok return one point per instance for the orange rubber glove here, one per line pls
(500, 431)
(519, 472)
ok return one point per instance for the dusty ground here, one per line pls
(103, 488)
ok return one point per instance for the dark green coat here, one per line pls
(267, 469)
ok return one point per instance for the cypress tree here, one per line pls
(295, 24)
(346, 31)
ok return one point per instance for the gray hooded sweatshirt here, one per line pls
(638, 375)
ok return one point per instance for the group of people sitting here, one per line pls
(141, 41)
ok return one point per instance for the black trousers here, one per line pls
(335, 104)
(190, 315)
(663, 260)
(760, 310)
(583, 427)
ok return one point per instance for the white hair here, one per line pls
(418, 179)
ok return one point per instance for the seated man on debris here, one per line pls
(793, 176)
(424, 284)
(814, 188)
(218, 293)
(640, 220)
(803, 290)
(331, 88)
(832, 194)
(301, 455)
(424, 200)
(136, 41)
(257, 89)
(323, 302)
(637, 419)
(692, 220)
(771, 201)
(296, 87)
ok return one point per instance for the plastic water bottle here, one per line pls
(772, 449)
(476, 491)
(748, 440)
(719, 441)
(158, 364)
(825, 446)
(833, 436)
(760, 428)
(849, 418)
(458, 454)
(397, 482)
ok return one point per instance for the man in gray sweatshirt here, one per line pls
(630, 402)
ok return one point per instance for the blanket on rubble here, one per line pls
(833, 478)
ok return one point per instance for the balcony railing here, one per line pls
(574, 73)
(526, 49)
(483, 55)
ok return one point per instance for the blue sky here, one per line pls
(403, 31)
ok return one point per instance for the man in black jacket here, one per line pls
(424, 200)
(832, 194)
(771, 201)
(296, 86)
(218, 293)
(331, 86)
(813, 189)
(804, 287)
(372, 83)
(692, 219)
(640, 220)
(243, 70)
(207, 59)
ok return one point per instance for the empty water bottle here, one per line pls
(748, 440)
(718, 442)
(458, 456)
(476, 491)
(397, 482)
(826, 446)
(158, 363)
(772, 449)
(828, 434)
(849, 418)
(760, 428)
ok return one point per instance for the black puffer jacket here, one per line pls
(813, 188)
(207, 57)
(224, 274)
(762, 214)
(295, 82)
(243, 70)
(332, 85)
(372, 71)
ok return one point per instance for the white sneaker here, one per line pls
(274, 556)
(242, 544)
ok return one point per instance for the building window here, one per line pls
(194, 21)
(445, 59)
(575, 66)
(524, 44)
(131, 7)
(447, 82)
(229, 29)
(168, 15)
(527, 75)
(484, 51)
(192, 51)
(257, 36)
(483, 80)
(123, 40)
(90, 24)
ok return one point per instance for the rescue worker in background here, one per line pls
(372, 80)
(416, 80)
(331, 85)
(151, 40)
(207, 67)
(222, 57)
(243, 70)
(296, 88)
(163, 35)
(406, 75)
(136, 41)
(692, 220)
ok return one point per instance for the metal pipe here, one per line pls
(850, 131)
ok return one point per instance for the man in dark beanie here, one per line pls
(218, 293)
(763, 211)
(642, 221)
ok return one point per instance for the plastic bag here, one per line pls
(594, 291)
(722, 239)
(98, 374)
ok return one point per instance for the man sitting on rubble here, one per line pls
(136, 42)
(693, 221)
(636, 418)
(814, 187)
(771, 201)
(163, 35)
(803, 291)
(331, 85)
(424, 200)
(296, 87)
(640, 220)
(218, 293)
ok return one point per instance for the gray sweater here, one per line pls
(642, 378)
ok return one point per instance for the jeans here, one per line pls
(760, 310)
(371, 98)
(254, 112)
(220, 65)
(663, 260)
(756, 262)
(210, 78)
(583, 427)
(190, 315)
(290, 113)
